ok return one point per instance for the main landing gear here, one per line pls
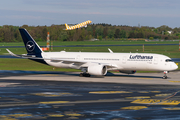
(84, 75)
(165, 75)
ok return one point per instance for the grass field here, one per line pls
(24, 64)
(93, 43)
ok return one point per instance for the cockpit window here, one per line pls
(169, 60)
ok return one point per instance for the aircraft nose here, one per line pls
(175, 66)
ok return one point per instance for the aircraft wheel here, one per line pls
(81, 75)
(164, 77)
(87, 75)
(84, 75)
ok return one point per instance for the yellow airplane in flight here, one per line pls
(83, 24)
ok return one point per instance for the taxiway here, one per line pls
(59, 95)
(138, 78)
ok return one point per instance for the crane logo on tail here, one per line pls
(30, 46)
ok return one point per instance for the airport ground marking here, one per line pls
(143, 92)
(149, 91)
(52, 94)
(156, 102)
(134, 107)
(55, 115)
(73, 115)
(175, 108)
(9, 118)
(63, 115)
(108, 92)
(4, 117)
(162, 95)
(172, 95)
(155, 91)
(20, 115)
(174, 81)
(54, 102)
(138, 97)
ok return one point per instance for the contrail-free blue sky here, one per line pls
(153, 13)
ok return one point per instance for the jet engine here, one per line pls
(97, 70)
(128, 71)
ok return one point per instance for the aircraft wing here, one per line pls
(59, 59)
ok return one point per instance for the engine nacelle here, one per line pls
(128, 71)
(97, 70)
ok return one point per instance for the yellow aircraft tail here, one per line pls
(67, 26)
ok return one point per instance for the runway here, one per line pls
(59, 95)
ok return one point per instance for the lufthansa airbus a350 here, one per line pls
(96, 63)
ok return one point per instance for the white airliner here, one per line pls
(93, 63)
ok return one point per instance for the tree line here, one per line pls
(9, 33)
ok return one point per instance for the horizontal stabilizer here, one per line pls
(11, 53)
(22, 56)
(34, 57)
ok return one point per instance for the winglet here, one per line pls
(110, 50)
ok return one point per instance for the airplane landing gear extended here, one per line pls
(84, 75)
(165, 74)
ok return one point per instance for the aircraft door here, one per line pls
(155, 60)
(78, 57)
(124, 60)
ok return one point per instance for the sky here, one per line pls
(152, 13)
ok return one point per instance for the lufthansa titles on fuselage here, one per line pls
(140, 57)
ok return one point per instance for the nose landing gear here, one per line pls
(165, 75)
